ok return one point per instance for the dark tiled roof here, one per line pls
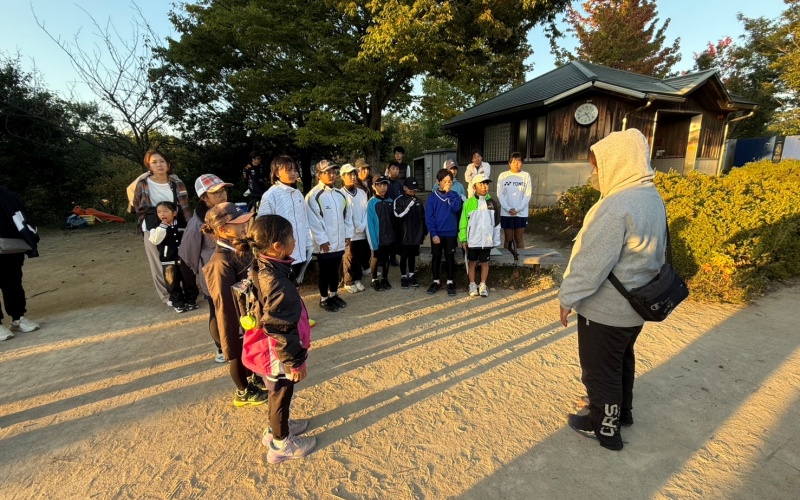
(535, 92)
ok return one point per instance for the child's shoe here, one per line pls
(376, 285)
(352, 288)
(250, 396)
(412, 280)
(358, 285)
(473, 290)
(180, 309)
(404, 282)
(483, 290)
(328, 305)
(191, 306)
(434, 288)
(258, 382)
(5, 333)
(293, 447)
(23, 324)
(219, 357)
(296, 427)
(451, 289)
(385, 284)
(338, 301)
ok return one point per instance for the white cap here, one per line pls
(479, 179)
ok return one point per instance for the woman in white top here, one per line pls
(477, 167)
(151, 188)
(514, 192)
(283, 199)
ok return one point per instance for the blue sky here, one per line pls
(695, 22)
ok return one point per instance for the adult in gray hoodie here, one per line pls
(624, 232)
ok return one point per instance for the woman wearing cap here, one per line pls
(227, 225)
(197, 248)
(151, 188)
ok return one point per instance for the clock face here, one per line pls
(586, 113)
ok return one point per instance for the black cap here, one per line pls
(381, 179)
(411, 183)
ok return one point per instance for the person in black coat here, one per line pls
(409, 210)
(20, 237)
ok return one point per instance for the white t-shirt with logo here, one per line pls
(514, 191)
(158, 193)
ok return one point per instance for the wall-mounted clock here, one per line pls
(586, 113)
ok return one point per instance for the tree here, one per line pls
(130, 107)
(320, 74)
(621, 34)
(745, 70)
(40, 157)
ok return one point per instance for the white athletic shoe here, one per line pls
(219, 357)
(367, 272)
(473, 290)
(24, 325)
(359, 286)
(296, 427)
(5, 333)
(483, 290)
(351, 288)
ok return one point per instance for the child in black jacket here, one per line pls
(409, 209)
(180, 279)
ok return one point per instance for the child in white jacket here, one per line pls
(331, 222)
(357, 254)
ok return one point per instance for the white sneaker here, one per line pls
(351, 288)
(359, 286)
(219, 357)
(483, 290)
(293, 447)
(5, 333)
(367, 272)
(296, 427)
(473, 290)
(24, 325)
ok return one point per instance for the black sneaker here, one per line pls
(250, 396)
(404, 282)
(338, 301)
(328, 305)
(257, 382)
(434, 288)
(412, 280)
(385, 284)
(376, 285)
(190, 306)
(451, 289)
(626, 418)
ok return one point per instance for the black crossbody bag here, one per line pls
(655, 300)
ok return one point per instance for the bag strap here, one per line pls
(668, 254)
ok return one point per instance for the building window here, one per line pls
(496, 141)
(538, 138)
(522, 138)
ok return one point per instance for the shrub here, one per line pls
(734, 234)
(576, 202)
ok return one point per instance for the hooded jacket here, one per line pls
(283, 338)
(289, 203)
(624, 232)
(358, 200)
(329, 217)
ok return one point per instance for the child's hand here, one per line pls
(464, 246)
(298, 374)
(436, 240)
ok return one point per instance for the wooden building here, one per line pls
(554, 118)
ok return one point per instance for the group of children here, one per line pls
(347, 225)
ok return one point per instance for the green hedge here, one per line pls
(732, 235)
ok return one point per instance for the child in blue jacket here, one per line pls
(441, 217)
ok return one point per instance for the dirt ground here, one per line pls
(410, 396)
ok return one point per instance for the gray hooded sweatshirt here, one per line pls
(624, 232)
